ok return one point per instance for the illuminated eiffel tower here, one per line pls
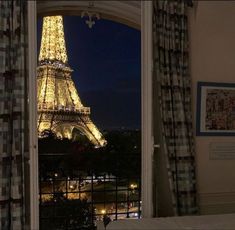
(59, 106)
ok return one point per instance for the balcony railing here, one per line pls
(118, 197)
(80, 184)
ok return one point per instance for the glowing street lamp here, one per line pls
(133, 186)
(71, 186)
(103, 211)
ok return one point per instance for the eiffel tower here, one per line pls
(59, 106)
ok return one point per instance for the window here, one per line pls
(147, 113)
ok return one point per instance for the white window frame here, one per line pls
(146, 104)
(146, 107)
(33, 139)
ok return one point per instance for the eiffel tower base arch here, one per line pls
(63, 123)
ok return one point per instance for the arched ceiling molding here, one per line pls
(126, 12)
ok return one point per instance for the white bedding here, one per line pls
(207, 222)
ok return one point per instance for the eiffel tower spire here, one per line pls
(53, 47)
(59, 106)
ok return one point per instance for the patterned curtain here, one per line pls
(13, 140)
(171, 70)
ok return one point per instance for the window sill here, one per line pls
(209, 222)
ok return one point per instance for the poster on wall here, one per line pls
(215, 109)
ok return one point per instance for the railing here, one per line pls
(63, 193)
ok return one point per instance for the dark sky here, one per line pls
(106, 61)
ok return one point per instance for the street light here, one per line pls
(133, 186)
(103, 211)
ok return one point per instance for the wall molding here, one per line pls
(217, 203)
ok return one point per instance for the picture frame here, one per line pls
(215, 109)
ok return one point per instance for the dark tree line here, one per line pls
(120, 157)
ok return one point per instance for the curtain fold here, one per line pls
(171, 70)
(13, 107)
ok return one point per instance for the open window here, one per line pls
(146, 122)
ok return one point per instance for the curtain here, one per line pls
(171, 72)
(13, 139)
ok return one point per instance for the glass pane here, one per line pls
(88, 121)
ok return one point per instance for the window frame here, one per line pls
(146, 112)
(32, 103)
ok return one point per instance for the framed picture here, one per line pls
(215, 109)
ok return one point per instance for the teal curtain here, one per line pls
(173, 84)
(13, 101)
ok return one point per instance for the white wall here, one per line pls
(212, 34)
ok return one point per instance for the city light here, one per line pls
(133, 186)
(103, 211)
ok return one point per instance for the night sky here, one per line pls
(107, 70)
